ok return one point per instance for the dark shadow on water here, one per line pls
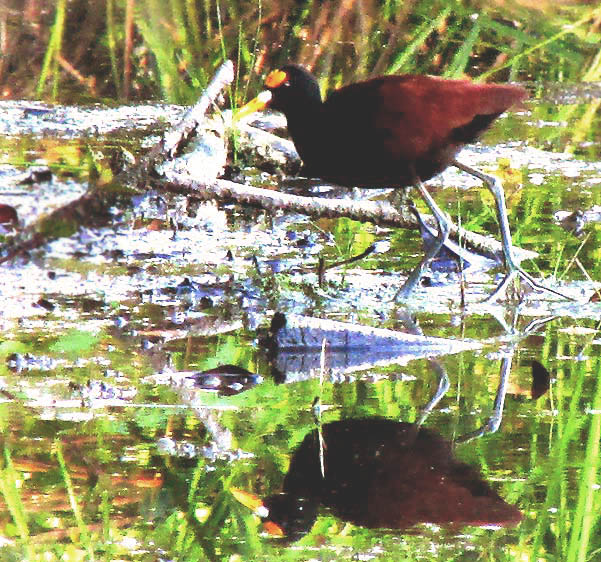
(380, 473)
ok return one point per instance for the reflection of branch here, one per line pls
(378, 212)
(91, 208)
(295, 345)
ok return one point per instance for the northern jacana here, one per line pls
(393, 131)
(380, 473)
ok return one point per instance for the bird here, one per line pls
(394, 131)
(379, 473)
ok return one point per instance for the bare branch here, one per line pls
(377, 212)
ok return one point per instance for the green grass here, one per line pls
(178, 44)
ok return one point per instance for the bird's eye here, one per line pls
(276, 78)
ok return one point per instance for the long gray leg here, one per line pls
(495, 187)
(443, 233)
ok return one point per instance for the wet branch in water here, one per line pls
(380, 213)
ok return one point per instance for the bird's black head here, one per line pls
(290, 516)
(293, 88)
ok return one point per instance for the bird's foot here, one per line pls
(515, 273)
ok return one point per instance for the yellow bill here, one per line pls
(257, 104)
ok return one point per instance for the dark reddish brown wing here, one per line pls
(407, 117)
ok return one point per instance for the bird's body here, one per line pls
(384, 131)
(381, 473)
(395, 132)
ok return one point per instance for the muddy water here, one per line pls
(111, 447)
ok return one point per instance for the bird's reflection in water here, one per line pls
(381, 473)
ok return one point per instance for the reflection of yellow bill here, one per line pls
(273, 529)
(256, 504)
(248, 500)
(257, 104)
